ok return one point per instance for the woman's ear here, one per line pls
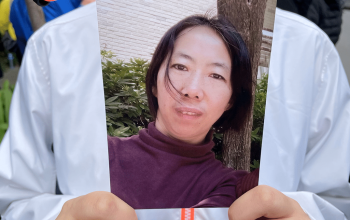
(154, 91)
(229, 105)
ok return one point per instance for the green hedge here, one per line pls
(5, 101)
(125, 95)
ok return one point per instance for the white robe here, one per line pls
(306, 141)
(58, 99)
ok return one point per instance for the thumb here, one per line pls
(262, 201)
(97, 205)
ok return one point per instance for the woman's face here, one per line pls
(200, 69)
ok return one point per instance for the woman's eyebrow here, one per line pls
(180, 54)
(221, 65)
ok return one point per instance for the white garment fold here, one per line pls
(306, 141)
(59, 100)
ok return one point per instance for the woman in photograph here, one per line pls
(199, 80)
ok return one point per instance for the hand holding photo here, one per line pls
(184, 117)
(97, 205)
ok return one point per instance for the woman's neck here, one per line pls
(195, 140)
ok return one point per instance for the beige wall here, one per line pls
(133, 28)
(270, 14)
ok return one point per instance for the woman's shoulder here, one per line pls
(115, 143)
(242, 179)
(247, 182)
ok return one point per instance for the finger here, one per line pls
(99, 205)
(262, 201)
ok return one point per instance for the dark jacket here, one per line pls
(327, 14)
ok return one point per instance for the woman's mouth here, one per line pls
(188, 113)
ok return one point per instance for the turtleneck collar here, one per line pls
(151, 136)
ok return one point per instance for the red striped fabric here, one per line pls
(187, 214)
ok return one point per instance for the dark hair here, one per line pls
(241, 71)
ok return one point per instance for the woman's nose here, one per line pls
(193, 87)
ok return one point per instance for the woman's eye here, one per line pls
(180, 67)
(217, 76)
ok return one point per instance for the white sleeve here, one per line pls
(316, 207)
(306, 142)
(326, 168)
(58, 99)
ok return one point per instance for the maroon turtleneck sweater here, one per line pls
(151, 170)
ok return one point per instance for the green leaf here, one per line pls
(111, 99)
(6, 96)
(2, 112)
(5, 102)
(255, 164)
(4, 126)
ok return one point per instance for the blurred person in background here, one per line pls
(21, 22)
(346, 4)
(327, 14)
(58, 101)
(8, 36)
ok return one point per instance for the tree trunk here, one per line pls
(36, 15)
(248, 18)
